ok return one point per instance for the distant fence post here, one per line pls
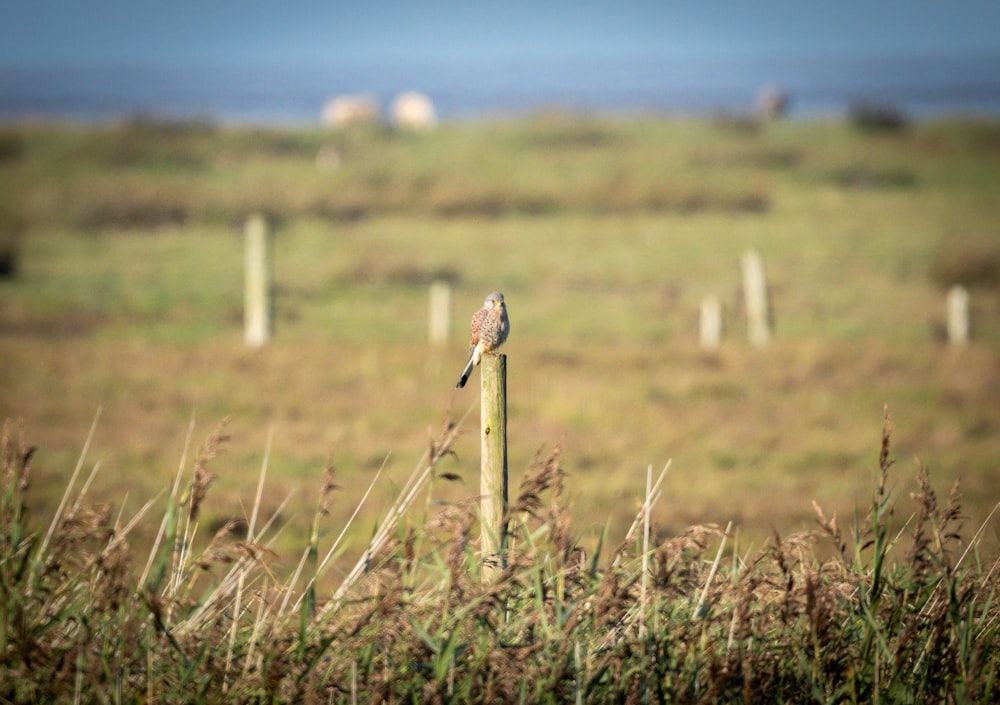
(755, 295)
(257, 296)
(439, 323)
(710, 322)
(493, 471)
(958, 315)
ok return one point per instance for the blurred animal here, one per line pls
(413, 111)
(344, 110)
(772, 103)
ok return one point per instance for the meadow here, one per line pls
(122, 354)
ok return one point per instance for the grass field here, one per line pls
(655, 619)
(121, 354)
(604, 235)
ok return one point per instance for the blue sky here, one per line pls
(301, 33)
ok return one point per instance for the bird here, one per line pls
(490, 328)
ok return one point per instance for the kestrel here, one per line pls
(490, 328)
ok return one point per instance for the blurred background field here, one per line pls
(125, 278)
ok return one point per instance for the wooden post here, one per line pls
(257, 296)
(440, 313)
(493, 471)
(711, 322)
(958, 315)
(755, 295)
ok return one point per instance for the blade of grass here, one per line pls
(260, 484)
(711, 573)
(65, 498)
(170, 515)
(320, 569)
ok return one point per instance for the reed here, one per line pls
(691, 617)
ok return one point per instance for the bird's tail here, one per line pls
(466, 372)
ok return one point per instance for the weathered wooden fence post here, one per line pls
(257, 296)
(493, 471)
(755, 295)
(439, 323)
(958, 315)
(711, 322)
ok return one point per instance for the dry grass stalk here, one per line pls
(421, 626)
(58, 516)
(416, 481)
(169, 515)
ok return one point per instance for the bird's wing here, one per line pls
(477, 324)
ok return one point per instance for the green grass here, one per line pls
(693, 616)
(603, 234)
